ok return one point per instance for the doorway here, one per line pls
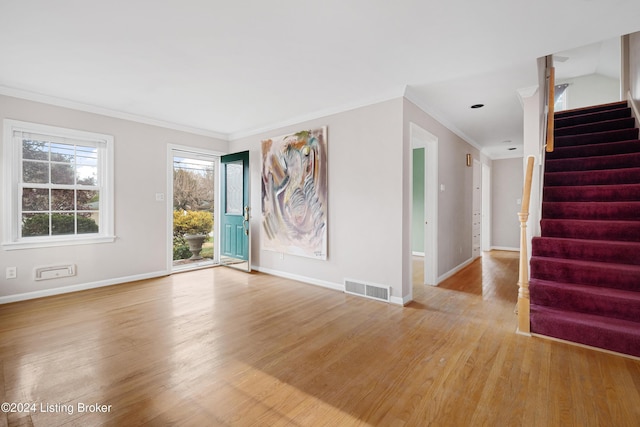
(192, 202)
(424, 223)
(235, 239)
(476, 207)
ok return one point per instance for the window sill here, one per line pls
(33, 244)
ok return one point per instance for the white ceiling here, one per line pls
(232, 68)
(597, 58)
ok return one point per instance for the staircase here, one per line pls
(585, 267)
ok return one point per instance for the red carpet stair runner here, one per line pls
(585, 267)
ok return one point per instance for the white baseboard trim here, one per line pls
(417, 253)
(316, 282)
(454, 270)
(304, 279)
(401, 301)
(504, 248)
(81, 287)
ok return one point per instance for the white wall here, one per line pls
(365, 167)
(634, 68)
(592, 89)
(506, 182)
(141, 223)
(454, 203)
(369, 155)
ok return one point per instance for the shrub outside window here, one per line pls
(59, 184)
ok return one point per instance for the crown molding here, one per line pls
(505, 156)
(387, 96)
(412, 95)
(88, 108)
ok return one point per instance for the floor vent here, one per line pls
(381, 293)
(54, 271)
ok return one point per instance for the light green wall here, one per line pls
(417, 238)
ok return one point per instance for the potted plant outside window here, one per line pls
(195, 242)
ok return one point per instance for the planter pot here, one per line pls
(195, 242)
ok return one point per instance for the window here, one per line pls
(560, 101)
(58, 186)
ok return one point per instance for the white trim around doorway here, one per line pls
(168, 197)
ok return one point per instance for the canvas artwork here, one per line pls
(294, 194)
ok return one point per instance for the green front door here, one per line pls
(234, 221)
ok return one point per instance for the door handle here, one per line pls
(245, 221)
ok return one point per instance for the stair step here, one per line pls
(620, 231)
(592, 193)
(615, 303)
(593, 273)
(622, 336)
(601, 149)
(591, 109)
(587, 250)
(592, 117)
(593, 177)
(629, 211)
(615, 124)
(615, 161)
(596, 137)
(585, 268)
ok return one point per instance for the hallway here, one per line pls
(490, 276)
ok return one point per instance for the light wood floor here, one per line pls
(221, 347)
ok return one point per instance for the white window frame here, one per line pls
(12, 165)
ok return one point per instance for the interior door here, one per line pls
(235, 242)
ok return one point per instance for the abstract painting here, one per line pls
(294, 194)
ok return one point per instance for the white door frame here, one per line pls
(476, 208)
(486, 207)
(421, 138)
(171, 150)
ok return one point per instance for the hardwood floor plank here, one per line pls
(220, 347)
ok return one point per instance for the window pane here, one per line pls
(88, 200)
(62, 200)
(62, 152)
(62, 174)
(86, 156)
(35, 150)
(234, 188)
(35, 172)
(88, 222)
(35, 199)
(87, 169)
(63, 224)
(35, 225)
(87, 175)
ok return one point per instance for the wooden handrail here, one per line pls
(551, 108)
(523, 278)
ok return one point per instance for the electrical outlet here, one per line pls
(12, 272)
(159, 197)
